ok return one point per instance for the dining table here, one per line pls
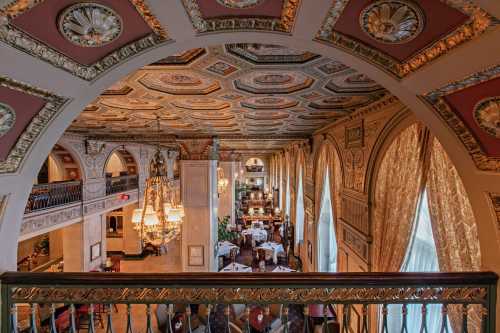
(236, 267)
(224, 248)
(283, 269)
(274, 248)
(257, 234)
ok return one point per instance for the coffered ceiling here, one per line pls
(259, 93)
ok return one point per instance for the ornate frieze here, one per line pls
(247, 295)
(477, 23)
(22, 41)
(486, 114)
(282, 24)
(38, 221)
(53, 105)
(240, 4)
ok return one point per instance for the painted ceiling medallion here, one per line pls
(90, 24)
(7, 118)
(392, 21)
(240, 4)
(487, 115)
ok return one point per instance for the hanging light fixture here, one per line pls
(160, 219)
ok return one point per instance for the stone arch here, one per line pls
(83, 93)
(126, 158)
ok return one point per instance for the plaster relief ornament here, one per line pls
(90, 24)
(7, 118)
(487, 115)
(273, 79)
(392, 21)
(240, 4)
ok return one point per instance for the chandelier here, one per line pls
(222, 181)
(160, 218)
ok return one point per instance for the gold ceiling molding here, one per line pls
(436, 100)
(479, 21)
(283, 24)
(53, 105)
(24, 42)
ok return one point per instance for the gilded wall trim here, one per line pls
(479, 21)
(284, 24)
(54, 104)
(25, 43)
(436, 100)
(245, 295)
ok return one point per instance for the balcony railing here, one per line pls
(121, 184)
(44, 196)
(254, 168)
(235, 302)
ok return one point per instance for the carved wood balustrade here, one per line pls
(342, 295)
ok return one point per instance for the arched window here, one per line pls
(287, 191)
(421, 256)
(115, 165)
(299, 211)
(327, 241)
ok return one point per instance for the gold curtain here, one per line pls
(328, 158)
(454, 226)
(397, 188)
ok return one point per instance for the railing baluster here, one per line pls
(13, 319)
(207, 328)
(404, 321)
(91, 318)
(364, 325)
(129, 319)
(72, 321)
(53, 328)
(149, 328)
(227, 313)
(465, 318)
(267, 318)
(285, 318)
(384, 319)
(326, 329)
(109, 312)
(423, 328)
(188, 318)
(345, 318)
(247, 321)
(444, 319)
(33, 327)
(306, 319)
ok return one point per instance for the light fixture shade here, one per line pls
(151, 220)
(175, 215)
(137, 215)
(261, 211)
(167, 207)
(250, 211)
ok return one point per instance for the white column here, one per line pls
(199, 229)
(227, 199)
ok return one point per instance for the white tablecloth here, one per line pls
(235, 267)
(258, 224)
(283, 269)
(259, 235)
(273, 247)
(224, 248)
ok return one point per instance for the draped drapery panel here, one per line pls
(397, 188)
(453, 223)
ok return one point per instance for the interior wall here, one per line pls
(115, 165)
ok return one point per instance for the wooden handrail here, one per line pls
(319, 280)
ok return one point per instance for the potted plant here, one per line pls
(224, 232)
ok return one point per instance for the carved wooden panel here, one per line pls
(355, 213)
(355, 241)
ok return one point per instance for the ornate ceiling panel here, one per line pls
(402, 35)
(471, 107)
(83, 38)
(224, 15)
(270, 54)
(219, 94)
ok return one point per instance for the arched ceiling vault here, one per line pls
(47, 77)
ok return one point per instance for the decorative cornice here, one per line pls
(437, 101)
(479, 21)
(54, 104)
(23, 42)
(283, 24)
